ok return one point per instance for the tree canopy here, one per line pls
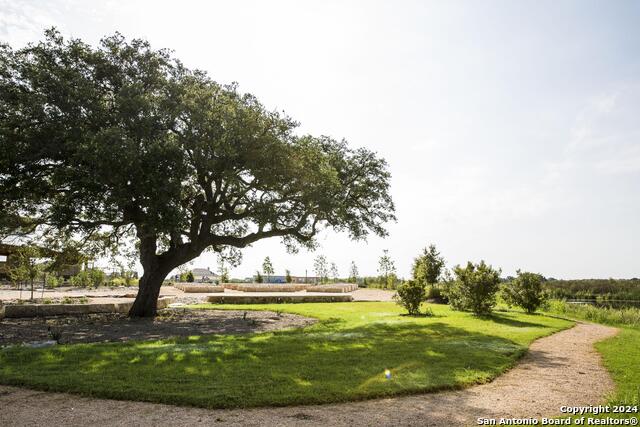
(123, 140)
(427, 268)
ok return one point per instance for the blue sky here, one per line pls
(512, 128)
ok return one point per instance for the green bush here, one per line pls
(474, 288)
(53, 281)
(116, 282)
(80, 280)
(525, 291)
(88, 278)
(410, 295)
(97, 277)
(190, 277)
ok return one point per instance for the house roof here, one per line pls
(202, 272)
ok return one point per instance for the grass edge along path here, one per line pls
(341, 358)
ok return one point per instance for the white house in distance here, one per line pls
(204, 275)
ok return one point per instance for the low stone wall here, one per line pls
(198, 288)
(276, 299)
(46, 310)
(334, 288)
(266, 287)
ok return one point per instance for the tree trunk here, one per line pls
(146, 303)
(156, 268)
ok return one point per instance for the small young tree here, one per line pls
(287, 276)
(223, 272)
(386, 267)
(334, 272)
(24, 267)
(525, 291)
(427, 268)
(183, 270)
(267, 268)
(474, 288)
(224, 277)
(410, 295)
(258, 277)
(190, 277)
(353, 273)
(320, 267)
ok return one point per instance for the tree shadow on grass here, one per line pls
(328, 362)
(505, 319)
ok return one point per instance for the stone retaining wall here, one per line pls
(198, 288)
(276, 299)
(266, 287)
(46, 310)
(334, 288)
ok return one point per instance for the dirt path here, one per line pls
(563, 369)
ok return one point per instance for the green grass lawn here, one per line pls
(341, 358)
(621, 356)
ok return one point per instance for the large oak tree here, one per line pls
(121, 138)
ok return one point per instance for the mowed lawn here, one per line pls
(342, 357)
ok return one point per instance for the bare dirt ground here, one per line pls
(173, 322)
(563, 369)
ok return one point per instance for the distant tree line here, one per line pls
(621, 289)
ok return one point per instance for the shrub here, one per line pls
(117, 281)
(80, 280)
(190, 277)
(410, 295)
(474, 288)
(96, 277)
(525, 291)
(53, 281)
(88, 278)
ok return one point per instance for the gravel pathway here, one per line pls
(563, 369)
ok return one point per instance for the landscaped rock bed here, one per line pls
(173, 322)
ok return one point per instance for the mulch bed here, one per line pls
(173, 322)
